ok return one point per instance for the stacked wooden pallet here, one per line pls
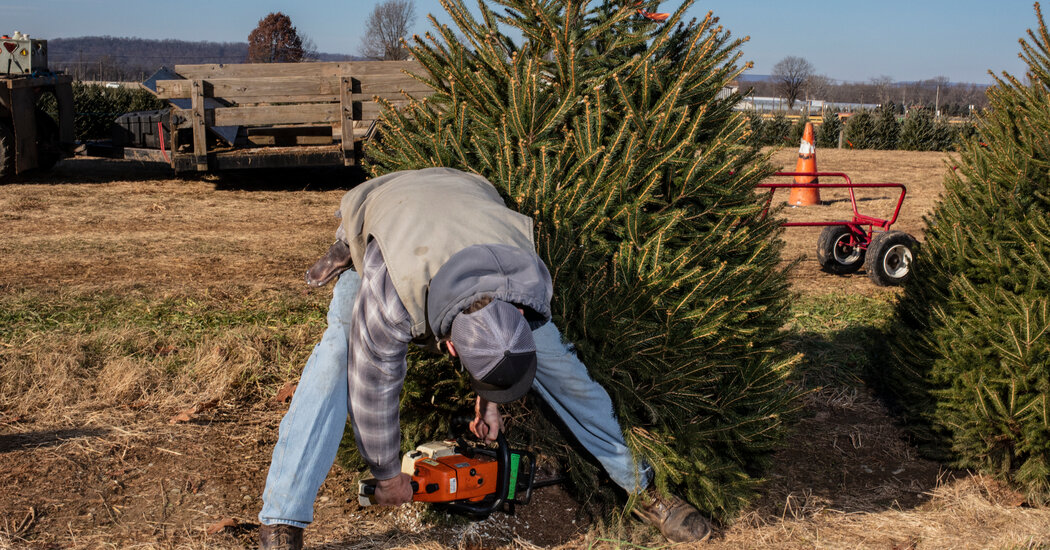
(280, 114)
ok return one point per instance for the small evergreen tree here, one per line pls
(756, 125)
(886, 132)
(777, 131)
(919, 132)
(969, 366)
(860, 131)
(797, 129)
(956, 134)
(828, 132)
(608, 130)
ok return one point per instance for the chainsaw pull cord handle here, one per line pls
(502, 483)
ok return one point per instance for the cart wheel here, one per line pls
(7, 151)
(890, 258)
(838, 250)
(48, 146)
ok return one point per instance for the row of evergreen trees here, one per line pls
(95, 107)
(882, 129)
(968, 363)
(608, 130)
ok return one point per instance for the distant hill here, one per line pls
(748, 77)
(116, 58)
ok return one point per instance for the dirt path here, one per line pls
(92, 469)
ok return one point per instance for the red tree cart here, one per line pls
(845, 246)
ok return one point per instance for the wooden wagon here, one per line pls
(265, 115)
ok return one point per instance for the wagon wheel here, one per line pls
(891, 257)
(7, 151)
(839, 250)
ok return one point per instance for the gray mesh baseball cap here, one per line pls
(495, 345)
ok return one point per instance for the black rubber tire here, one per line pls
(891, 257)
(48, 144)
(7, 151)
(835, 253)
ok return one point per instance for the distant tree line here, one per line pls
(108, 58)
(883, 128)
(953, 98)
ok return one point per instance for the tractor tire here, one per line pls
(7, 152)
(48, 144)
(891, 258)
(838, 251)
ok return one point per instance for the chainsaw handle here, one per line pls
(502, 483)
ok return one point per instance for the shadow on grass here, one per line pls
(846, 453)
(49, 438)
(316, 178)
(94, 170)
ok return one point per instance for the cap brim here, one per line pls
(497, 394)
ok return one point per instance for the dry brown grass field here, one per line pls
(148, 325)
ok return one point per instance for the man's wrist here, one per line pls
(387, 476)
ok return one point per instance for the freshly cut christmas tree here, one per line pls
(613, 132)
(971, 346)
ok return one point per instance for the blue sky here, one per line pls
(845, 40)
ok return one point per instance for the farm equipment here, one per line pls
(29, 137)
(845, 246)
(467, 478)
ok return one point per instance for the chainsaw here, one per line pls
(466, 478)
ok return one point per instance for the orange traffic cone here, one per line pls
(807, 162)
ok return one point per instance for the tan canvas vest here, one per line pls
(420, 218)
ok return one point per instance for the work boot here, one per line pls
(334, 262)
(280, 537)
(677, 520)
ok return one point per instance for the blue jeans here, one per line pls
(313, 426)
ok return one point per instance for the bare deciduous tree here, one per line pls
(275, 40)
(791, 75)
(310, 52)
(387, 26)
(883, 88)
(819, 86)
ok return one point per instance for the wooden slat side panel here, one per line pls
(265, 157)
(346, 120)
(250, 90)
(327, 68)
(371, 111)
(323, 113)
(250, 87)
(200, 144)
(251, 70)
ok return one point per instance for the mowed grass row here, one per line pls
(97, 349)
(104, 348)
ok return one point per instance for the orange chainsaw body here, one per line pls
(454, 477)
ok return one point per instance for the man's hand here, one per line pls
(487, 423)
(394, 491)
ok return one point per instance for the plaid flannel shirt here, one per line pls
(378, 345)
